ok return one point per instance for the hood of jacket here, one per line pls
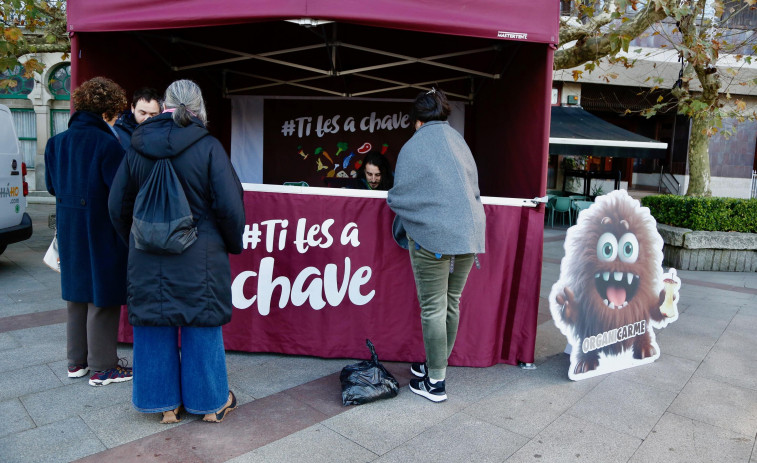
(127, 122)
(159, 137)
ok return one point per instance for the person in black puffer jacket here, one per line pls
(188, 292)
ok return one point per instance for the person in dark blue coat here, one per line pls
(188, 292)
(80, 165)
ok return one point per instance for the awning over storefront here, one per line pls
(575, 132)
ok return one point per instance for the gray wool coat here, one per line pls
(435, 194)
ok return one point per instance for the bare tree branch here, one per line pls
(597, 47)
(570, 31)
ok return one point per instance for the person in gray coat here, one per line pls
(441, 220)
(188, 292)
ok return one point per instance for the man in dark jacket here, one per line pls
(144, 104)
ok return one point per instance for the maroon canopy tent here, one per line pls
(493, 55)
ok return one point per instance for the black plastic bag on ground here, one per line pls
(367, 381)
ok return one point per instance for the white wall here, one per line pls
(725, 187)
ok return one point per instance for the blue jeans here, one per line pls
(439, 297)
(166, 376)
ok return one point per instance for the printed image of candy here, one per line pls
(365, 148)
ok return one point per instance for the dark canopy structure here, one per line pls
(575, 131)
(495, 55)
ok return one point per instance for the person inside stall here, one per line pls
(375, 173)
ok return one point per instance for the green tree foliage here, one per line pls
(29, 27)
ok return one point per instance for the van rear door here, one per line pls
(12, 200)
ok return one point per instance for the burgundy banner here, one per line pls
(320, 274)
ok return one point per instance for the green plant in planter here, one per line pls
(597, 190)
(703, 213)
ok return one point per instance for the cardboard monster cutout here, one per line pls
(612, 291)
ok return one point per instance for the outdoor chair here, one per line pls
(561, 205)
(549, 206)
(580, 206)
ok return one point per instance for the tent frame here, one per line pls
(402, 60)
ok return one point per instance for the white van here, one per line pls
(15, 223)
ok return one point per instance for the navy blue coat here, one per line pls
(125, 126)
(192, 288)
(80, 165)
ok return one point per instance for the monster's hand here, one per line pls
(568, 305)
(657, 312)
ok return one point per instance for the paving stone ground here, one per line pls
(696, 403)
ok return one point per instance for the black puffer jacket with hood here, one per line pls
(192, 288)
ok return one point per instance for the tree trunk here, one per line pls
(699, 150)
(699, 159)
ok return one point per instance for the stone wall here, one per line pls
(686, 249)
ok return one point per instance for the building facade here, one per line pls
(612, 89)
(41, 107)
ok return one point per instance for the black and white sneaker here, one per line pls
(419, 369)
(433, 392)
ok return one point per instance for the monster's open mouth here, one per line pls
(616, 288)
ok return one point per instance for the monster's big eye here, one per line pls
(607, 247)
(629, 248)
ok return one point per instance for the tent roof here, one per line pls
(519, 20)
(575, 131)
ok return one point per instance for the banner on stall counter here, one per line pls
(314, 140)
(612, 292)
(321, 273)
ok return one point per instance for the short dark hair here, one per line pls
(145, 93)
(101, 96)
(430, 106)
(379, 160)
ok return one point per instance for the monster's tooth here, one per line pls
(629, 277)
(607, 303)
(618, 276)
(606, 276)
(596, 275)
(625, 303)
(612, 306)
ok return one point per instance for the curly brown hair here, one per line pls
(101, 96)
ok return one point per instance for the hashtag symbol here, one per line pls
(287, 128)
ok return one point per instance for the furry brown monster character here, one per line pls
(611, 284)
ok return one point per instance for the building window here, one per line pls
(58, 121)
(59, 82)
(16, 85)
(26, 129)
